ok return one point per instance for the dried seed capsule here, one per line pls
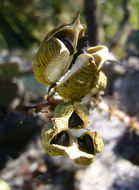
(56, 52)
(73, 115)
(55, 140)
(85, 74)
(88, 144)
(80, 145)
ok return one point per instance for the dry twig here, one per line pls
(50, 103)
(120, 114)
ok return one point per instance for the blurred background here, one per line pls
(23, 163)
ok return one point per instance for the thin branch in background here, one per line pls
(40, 107)
(120, 114)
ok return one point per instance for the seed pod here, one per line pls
(77, 82)
(55, 140)
(101, 55)
(73, 115)
(85, 74)
(80, 145)
(89, 144)
(56, 52)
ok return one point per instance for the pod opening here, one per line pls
(75, 121)
(61, 138)
(66, 33)
(82, 46)
(86, 144)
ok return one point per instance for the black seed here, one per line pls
(51, 87)
(61, 138)
(74, 59)
(86, 144)
(83, 44)
(74, 120)
(68, 45)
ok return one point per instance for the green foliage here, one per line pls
(110, 16)
(27, 21)
(18, 21)
(134, 19)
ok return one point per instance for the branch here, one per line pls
(120, 114)
(39, 107)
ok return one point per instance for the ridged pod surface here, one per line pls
(78, 84)
(85, 75)
(73, 115)
(73, 69)
(79, 144)
(56, 52)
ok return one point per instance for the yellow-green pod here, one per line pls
(54, 139)
(78, 81)
(84, 146)
(85, 74)
(56, 52)
(50, 60)
(67, 136)
(101, 55)
(73, 115)
(80, 145)
(89, 143)
(99, 84)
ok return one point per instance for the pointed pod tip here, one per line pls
(77, 19)
(78, 14)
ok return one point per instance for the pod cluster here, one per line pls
(67, 135)
(72, 69)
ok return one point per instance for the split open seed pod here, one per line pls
(56, 52)
(101, 55)
(78, 81)
(79, 145)
(88, 144)
(55, 140)
(71, 115)
(84, 74)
